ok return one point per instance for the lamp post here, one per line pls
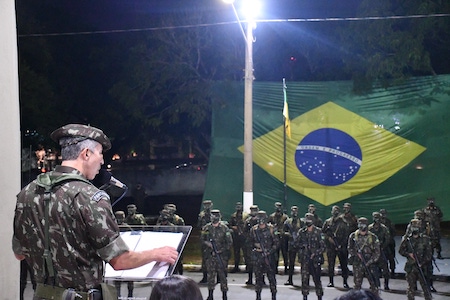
(248, 102)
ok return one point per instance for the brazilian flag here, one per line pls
(386, 149)
(333, 154)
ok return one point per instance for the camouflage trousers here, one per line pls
(412, 277)
(214, 268)
(309, 269)
(359, 272)
(262, 266)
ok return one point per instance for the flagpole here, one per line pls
(284, 147)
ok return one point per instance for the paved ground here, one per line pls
(238, 290)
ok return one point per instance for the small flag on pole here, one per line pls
(287, 121)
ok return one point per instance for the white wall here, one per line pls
(10, 149)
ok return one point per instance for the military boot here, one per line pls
(210, 295)
(250, 279)
(258, 295)
(331, 284)
(386, 284)
(346, 284)
(224, 295)
(204, 280)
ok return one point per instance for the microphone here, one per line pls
(104, 178)
(114, 181)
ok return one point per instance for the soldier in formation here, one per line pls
(133, 217)
(237, 224)
(217, 241)
(364, 252)
(175, 219)
(277, 219)
(417, 249)
(265, 244)
(391, 245)
(336, 240)
(120, 218)
(249, 223)
(311, 245)
(317, 220)
(204, 217)
(291, 227)
(349, 218)
(382, 232)
(433, 216)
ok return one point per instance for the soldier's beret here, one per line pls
(363, 220)
(80, 133)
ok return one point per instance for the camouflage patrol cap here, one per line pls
(346, 204)
(383, 212)
(215, 212)
(309, 216)
(363, 220)
(207, 202)
(164, 212)
(335, 207)
(261, 214)
(79, 133)
(418, 213)
(294, 207)
(277, 204)
(119, 214)
(376, 214)
(254, 207)
(311, 205)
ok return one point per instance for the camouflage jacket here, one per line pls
(204, 218)
(290, 230)
(220, 235)
(83, 230)
(433, 215)
(263, 240)
(277, 220)
(335, 229)
(311, 244)
(382, 232)
(237, 223)
(366, 245)
(136, 219)
(421, 248)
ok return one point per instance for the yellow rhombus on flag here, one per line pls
(334, 154)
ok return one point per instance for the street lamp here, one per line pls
(250, 10)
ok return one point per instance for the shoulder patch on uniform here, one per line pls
(99, 195)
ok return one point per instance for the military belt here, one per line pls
(58, 293)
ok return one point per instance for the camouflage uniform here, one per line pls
(204, 217)
(217, 240)
(265, 243)
(311, 244)
(317, 220)
(418, 244)
(349, 218)
(382, 232)
(391, 245)
(134, 218)
(291, 227)
(364, 251)
(277, 219)
(120, 218)
(83, 231)
(173, 217)
(249, 223)
(433, 215)
(237, 224)
(336, 240)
